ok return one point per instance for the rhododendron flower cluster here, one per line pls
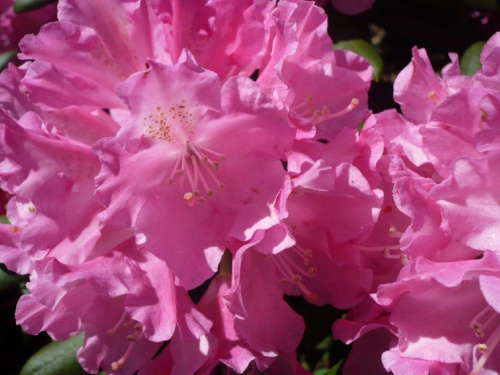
(151, 148)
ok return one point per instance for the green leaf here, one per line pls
(469, 63)
(9, 281)
(361, 125)
(365, 50)
(27, 5)
(4, 220)
(325, 344)
(335, 369)
(5, 57)
(56, 358)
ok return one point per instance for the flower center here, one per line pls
(173, 124)
(198, 166)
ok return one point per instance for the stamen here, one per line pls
(14, 228)
(386, 251)
(433, 95)
(189, 174)
(404, 259)
(196, 166)
(487, 349)
(328, 116)
(221, 157)
(175, 171)
(118, 364)
(283, 263)
(477, 325)
(388, 255)
(379, 248)
(189, 197)
(113, 330)
(394, 233)
(308, 99)
(287, 260)
(323, 114)
(219, 184)
(305, 254)
(202, 179)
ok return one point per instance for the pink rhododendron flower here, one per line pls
(226, 37)
(164, 203)
(127, 282)
(469, 202)
(199, 145)
(324, 90)
(447, 118)
(32, 163)
(262, 318)
(79, 123)
(80, 58)
(466, 291)
(91, 48)
(489, 74)
(442, 168)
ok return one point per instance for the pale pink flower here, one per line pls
(80, 58)
(447, 116)
(132, 288)
(462, 328)
(211, 156)
(230, 348)
(262, 318)
(469, 201)
(367, 327)
(79, 123)
(314, 219)
(323, 89)
(489, 74)
(227, 37)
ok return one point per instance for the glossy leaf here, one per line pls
(56, 358)
(9, 281)
(5, 57)
(335, 369)
(469, 63)
(21, 6)
(365, 50)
